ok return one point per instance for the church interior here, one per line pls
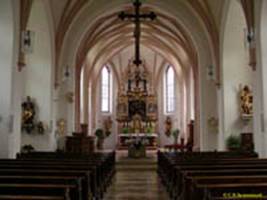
(133, 99)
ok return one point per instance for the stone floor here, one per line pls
(136, 179)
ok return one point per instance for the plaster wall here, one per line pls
(236, 72)
(261, 138)
(6, 68)
(18, 89)
(39, 78)
(111, 141)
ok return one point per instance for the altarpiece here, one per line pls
(137, 106)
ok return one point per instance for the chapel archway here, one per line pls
(161, 55)
(175, 37)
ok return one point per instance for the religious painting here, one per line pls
(137, 107)
(122, 107)
(152, 107)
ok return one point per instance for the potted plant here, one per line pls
(27, 148)
(99, 133)
(175, 134)
(149, 129)
(233, 143)
(108, 133)
(125, 130)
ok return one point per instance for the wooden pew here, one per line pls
(58, 191)
(172, 165)
(105, 163)
(84, 174)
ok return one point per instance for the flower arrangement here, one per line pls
(149, 129)
(27, 148)
(99, 133)
(175, 134)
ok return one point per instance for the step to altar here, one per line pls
(141, 164)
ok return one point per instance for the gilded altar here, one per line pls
(137, 105)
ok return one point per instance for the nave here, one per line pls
(136, 179)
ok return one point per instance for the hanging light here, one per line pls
(67, 73)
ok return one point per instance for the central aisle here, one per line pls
(136, 179)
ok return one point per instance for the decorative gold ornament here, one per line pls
(61, 127)
(69, 97)
(246, 102)
(213, 124)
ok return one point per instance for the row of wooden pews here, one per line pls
(54, 176)
(213, 175)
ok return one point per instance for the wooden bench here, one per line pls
(60, 176)
(178, 171)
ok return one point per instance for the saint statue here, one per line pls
(28, 114)
(168, 126)
(246, 100)
(108, 126)
(137, 123)
(61, 127)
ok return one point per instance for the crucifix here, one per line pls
(136, 18)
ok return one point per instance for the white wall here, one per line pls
(261, 138)
(38, 77)
(6, 68)
(111, 141)
(176, 116)
(236, 70)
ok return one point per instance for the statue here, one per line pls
(137, 124)
(246, 100)
(108, 126)
(28, 115)
(40, 127)
(168, 126)
(61, 127)
(137, 77)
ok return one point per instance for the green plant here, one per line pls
(100, 133)
(108, 133)
(125, 130)
(233, 142)
(175, 133)
(27, 148)
(149, 129)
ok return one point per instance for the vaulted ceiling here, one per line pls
(105, 35)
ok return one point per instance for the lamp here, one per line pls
(67, 72)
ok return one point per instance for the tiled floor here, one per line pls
(136, 180)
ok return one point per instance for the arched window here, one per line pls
(106, 90)
(169, 90)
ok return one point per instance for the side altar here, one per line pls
(137, 108)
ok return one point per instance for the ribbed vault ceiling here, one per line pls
(107, 36)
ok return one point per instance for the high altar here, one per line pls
(137, 108)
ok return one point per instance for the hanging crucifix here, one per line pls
(136, 18)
